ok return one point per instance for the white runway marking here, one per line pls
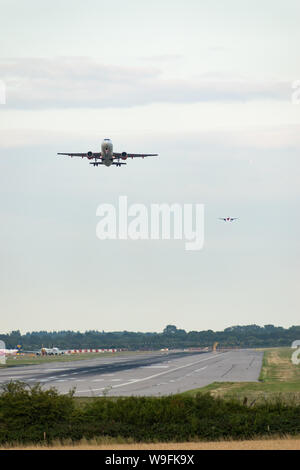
(154, 367)
(150, 376)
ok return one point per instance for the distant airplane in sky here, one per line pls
(107, 156)
(228, 219)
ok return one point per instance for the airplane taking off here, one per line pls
(107, 156)
(228, 219)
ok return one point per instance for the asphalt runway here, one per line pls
(147, 374)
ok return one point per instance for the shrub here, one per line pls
(26, 413)
(32, 414)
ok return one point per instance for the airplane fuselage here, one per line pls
(107, 152)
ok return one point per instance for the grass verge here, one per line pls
(32, 360)
(279, 379)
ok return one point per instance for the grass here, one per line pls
(30, 360)
(106, 443)
(279, 379)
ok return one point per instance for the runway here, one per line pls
(143, 374)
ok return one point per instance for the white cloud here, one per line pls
(267, 137)
(83, 82)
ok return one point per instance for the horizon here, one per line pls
(144, 332)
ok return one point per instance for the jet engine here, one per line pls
(90, 154)
(124, 155)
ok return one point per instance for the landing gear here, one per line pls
(118, 163)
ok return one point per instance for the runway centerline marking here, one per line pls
(202, 368)
(155, 367)
(150, 376)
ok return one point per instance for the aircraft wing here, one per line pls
(135, 155)
(83, 155)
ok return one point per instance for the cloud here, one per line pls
(35, 83)
(244, 145)
(163, 58)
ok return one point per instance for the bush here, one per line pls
(32, 414)
(26, 413)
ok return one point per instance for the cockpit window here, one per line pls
(107, 140)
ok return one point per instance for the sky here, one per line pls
(212, 88)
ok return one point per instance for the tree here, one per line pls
(170, 330)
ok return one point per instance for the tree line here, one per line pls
(247, 336)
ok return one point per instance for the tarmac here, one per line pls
(141, 374)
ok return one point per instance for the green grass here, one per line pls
(26, 360)
(279, 379)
